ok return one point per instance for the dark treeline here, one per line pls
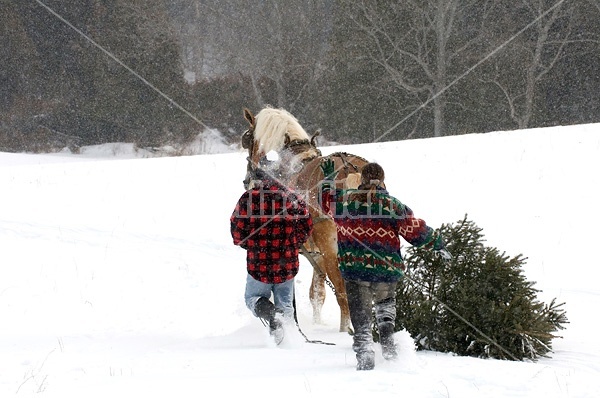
(359, 71)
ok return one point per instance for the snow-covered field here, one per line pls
(119, 279)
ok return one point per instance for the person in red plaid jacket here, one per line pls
(270, 222)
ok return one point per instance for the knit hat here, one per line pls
(372, 174)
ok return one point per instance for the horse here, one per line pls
(299, 168)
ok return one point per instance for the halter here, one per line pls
(297, 147)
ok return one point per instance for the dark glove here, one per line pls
(439, 247)
(328, 169)
(444, 254)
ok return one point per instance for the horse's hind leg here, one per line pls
(335, 277)
(325, 238)
(317, 285)
(317, 294)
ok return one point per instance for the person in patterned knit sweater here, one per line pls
(369, 224)
(270, 222)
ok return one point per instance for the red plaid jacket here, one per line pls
(271, 222)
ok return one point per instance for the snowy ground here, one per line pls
(119, 278)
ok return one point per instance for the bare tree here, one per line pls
(420, 46)
(279, 46)
(200, 25)
(595, 3)
(518, 71)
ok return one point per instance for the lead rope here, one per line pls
(298, 325)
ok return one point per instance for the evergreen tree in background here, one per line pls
(62, 88)
(478, 304)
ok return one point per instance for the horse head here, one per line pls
(279, 131)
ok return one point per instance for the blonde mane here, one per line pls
(272, 127)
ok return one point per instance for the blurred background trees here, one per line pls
(360, 71)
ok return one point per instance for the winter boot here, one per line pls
(386, 338)
(265, 310)
(365, 360)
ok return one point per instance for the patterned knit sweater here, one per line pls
(271, 222)
(368, 234)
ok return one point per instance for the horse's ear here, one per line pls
(247, 139)
(249, 117)
(313, 139)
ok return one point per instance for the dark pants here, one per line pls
(362, 296)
